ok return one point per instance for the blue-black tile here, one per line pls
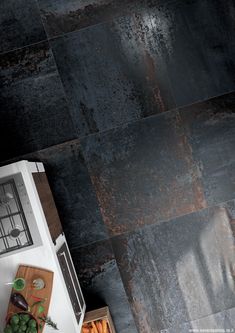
(34, 112)
(143, 173)
(20, 24)
(179, 271)
(112, 74)
(145, 63)
(73, 192)
(100, 280)
(210, 130)
(211, 24)
(198, 48)
(64, 16)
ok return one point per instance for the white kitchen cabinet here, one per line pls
(36, 238)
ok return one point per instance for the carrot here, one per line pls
(99, 327)
(85, 330)
(94, 327)
(104, 326)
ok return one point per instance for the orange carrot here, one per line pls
(94, 327)
(85, 325)
(99, 327)
(85, 330)
(104, 326)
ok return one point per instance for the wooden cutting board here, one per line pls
(32, 295)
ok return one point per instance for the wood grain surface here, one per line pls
(99, 314)
(48, 204)
(31, 295)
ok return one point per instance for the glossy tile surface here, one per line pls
(73, 192)
(199, 48)
(222, 321)
(211, 134)
(34, 111)
(100, 279)
(160, 56)
(181, 270)
(20, 24)
(112, 74)
(166, 48)
(61, 17)
(143, 173)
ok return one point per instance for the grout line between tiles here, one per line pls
(24, 47)
(146, 226)
(84, 137)
(178, 108)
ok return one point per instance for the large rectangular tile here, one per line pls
(112, 74)
(210, 130)
(101, 282)
(143, 173)
(73, 192)
(179, 271)
(20, 24)
(147, 62)
(34, 112)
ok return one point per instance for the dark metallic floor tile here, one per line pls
(73, 192)
(20, 24)
(211, 24)
(179, 271)
(112, 74)
(100, 280)
(34, 112)
(64, 16)
(32, 62)
(198, 48)
(219, 322)
(145, 63)
(211, 132)
(143, 173)
(154, 42)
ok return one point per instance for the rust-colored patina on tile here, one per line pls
(210, 131)
(144, 173)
